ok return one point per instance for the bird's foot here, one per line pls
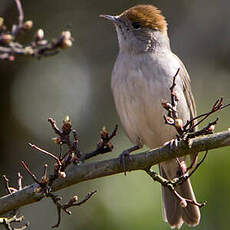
(125, 155)
(182, 170)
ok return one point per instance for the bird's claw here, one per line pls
(171, 143)
(123, 156)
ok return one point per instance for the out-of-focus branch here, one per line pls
(11, 46)
(140, 161)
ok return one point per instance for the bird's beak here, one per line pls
(109, 17)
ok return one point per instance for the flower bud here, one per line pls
(56, 140)
(66, 43)
(29, 51)
(11, 58)
(7, 38)
(166, 105)
(39, 35)
(169, 120)
(110, 145)
(44, 180)
(211, 128)
(62, 174)
(104, 132)
(75, 198)
(1, 22)
(183, 203)
(66, 35)
(66, 127)
(67, 119)
(28, 25)
(179, 123)
(37, 190)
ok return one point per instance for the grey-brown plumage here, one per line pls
(141, 78)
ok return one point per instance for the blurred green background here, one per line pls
(77, 82)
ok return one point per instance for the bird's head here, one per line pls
(141, 28)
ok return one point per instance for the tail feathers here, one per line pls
(190, 214)
(171, 209)
(173, 213)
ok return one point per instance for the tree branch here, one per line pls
(11, 46)
(140, 161)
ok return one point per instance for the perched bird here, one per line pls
(141, 78)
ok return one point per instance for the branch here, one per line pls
(140, 161)
(11, 46)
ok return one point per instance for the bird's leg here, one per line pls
(125, 154)
(182, 171)
(182, 166)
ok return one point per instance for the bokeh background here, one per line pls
(77, 82)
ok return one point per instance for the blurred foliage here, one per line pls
(77, 82)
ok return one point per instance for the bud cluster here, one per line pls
(10, 47)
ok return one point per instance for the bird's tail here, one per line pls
(173, 212)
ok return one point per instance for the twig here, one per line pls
(8, 221)
(54, 126)
(187, 131)
(170, 184)
(7, 184)
(10, 46)
(198, 164)
(45, 152)
(20, 18)
(173, 95)
(71, 203)
(76, 145)
(185, 176)
(73, 153)
(31, 174)
(218, 105)
(140, 161)
(87, 197)
(103, 146)
(208, 129)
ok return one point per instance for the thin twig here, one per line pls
(56, 199)
(20, 17)
(173, 96)
(31, 174)
(170, 184)
(45, 152)
(7, 184)
(89, 171)
(198, 164)
(54, 126)
(103, 146)
(216, 107)
(8, 221)
(87, 197)
(11, 46)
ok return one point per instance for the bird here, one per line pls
(141, 77)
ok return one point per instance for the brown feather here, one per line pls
(148, 16)
(189, 98)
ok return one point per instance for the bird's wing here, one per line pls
(188, 95)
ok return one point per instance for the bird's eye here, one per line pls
(136, 25)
